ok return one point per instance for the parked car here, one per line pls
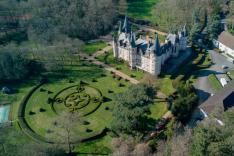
(224, 67)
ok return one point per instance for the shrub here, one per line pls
(55, 123)
(153, 145)
(32, 113)
(103, 75)
(86, 123)
(112, 72)
(113, 76)
(126, 80)
(176, 82)
(118, 68)
(132, 76)
(88, 130)
(119, 78)
(42, 90)
(50, 100)
(42, 110)
(94, 80)
(121, 85)
(107, 108)
(70, 81)
(49, 92)
(110, 91)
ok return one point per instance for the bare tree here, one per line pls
(64, 129)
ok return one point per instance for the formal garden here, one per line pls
(86, 91)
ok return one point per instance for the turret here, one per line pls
(126, 27)
(184, 30)
(132, 40)
(157, 45)
(120, 28)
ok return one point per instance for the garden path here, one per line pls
(111, 69)
(148, 28)
(167, 115)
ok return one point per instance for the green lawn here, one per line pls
(216, 85)
(91, 48)
(165, 85)
(231, 31)
(231, 74)
(141, 9)
(158, 109)
(41, 122)
(109, 59)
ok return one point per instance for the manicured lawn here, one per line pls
(158, 109)
(216, 85)
(91, 48)
(41, 122)
(231, 31)
(141, 9)
(109, 59)
(165, 85)
(231, 74)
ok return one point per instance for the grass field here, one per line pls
(165, 85)
(231, 74)
(41, 122)
(216, 85)
(141, 9)
(110, 60)
(91, 48)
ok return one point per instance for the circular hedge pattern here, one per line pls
(83, 99)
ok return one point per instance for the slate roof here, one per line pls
(173, 38)
(227, 39)
(224, 98)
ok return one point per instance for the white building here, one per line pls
(225, 43)
(146, 53)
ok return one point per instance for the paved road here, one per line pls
(202, 85)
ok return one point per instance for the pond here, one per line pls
(4, 113)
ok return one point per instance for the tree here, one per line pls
(209, 138)
(54, 19)
(15, 143)
(13, 64)
(214, 27)
(129, 113)
(185, 102)
(64, 129)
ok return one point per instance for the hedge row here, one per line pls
(22, 122)
(29, 132)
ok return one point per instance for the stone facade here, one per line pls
(146, 53)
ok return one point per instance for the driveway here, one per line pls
(202, 85)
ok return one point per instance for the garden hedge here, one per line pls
(29, 132)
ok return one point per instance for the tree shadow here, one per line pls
(203, 96)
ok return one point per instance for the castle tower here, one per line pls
(115, 47)
(120, 28)
(156, 57)
(183, 38)
(132, 51)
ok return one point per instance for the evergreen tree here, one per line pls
(129, 113)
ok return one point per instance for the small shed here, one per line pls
(6, 90)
